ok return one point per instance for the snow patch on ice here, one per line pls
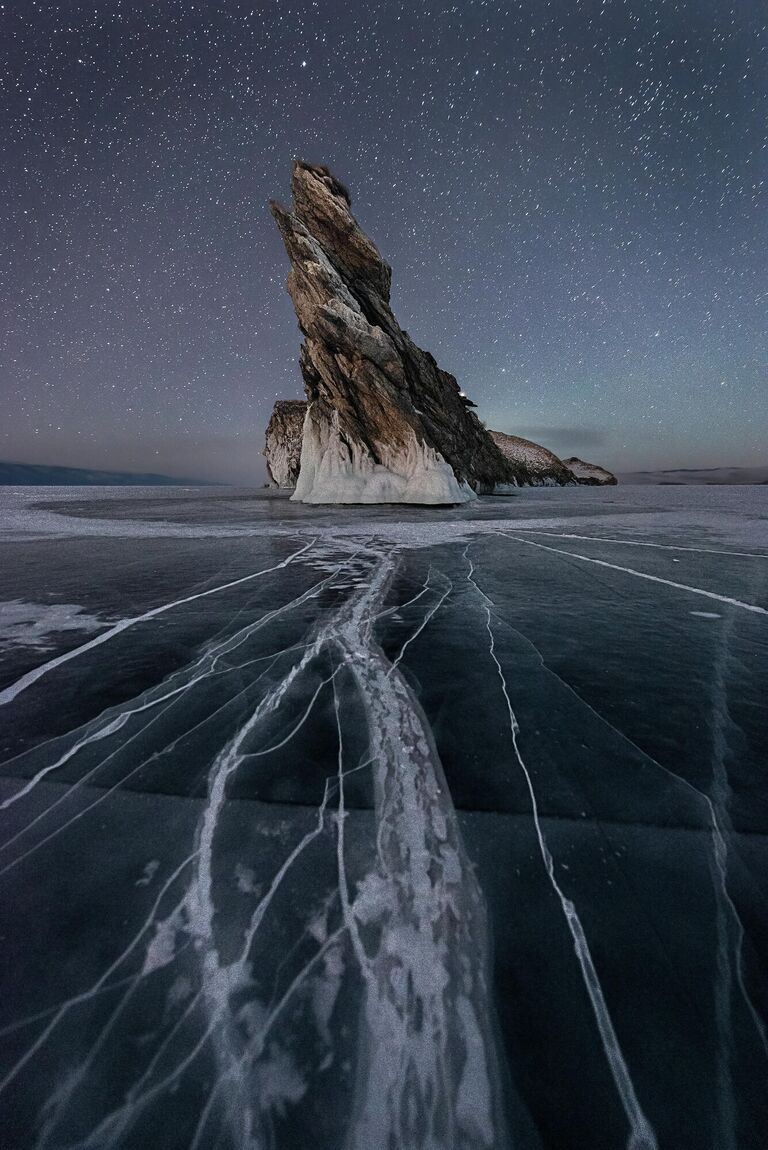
(161, 950)
(334, 471)
(150, 870)
(245, 880)
(473, 1101)
(25, 624)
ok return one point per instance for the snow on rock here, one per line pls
(589, 473)
(541, 467)
(385, 423)
(282, 449)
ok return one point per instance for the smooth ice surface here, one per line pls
(383, 827)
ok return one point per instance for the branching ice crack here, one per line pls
(10, 693)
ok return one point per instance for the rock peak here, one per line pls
(324, 173)
(384, 423)
(322, 204)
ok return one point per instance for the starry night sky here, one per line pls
(572, 195)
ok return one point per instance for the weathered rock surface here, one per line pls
(282, 449)
(384, 423)
(542, 467)
(589, 473)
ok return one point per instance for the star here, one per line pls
(590, 196)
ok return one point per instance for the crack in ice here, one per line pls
(640, 543)
(15, 689)
(642, 1136)
(642, 575)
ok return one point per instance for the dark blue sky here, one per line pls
(572, 196)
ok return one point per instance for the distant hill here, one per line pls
(41, 475)
(715, 476)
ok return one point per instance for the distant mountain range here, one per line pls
(41, 475)
(716, 476)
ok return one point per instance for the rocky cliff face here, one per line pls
(384, 424)
(589, 473)
(534, 465)
(542, 467)
(282, 449)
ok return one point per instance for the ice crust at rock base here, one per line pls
(333, 471)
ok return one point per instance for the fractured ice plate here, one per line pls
(385, 827)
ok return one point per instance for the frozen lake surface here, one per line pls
(384, 828)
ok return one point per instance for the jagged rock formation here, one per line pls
(385, 424)
(542, 467)
(534, 465)
(282, 449)
(589, 473)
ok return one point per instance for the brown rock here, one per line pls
(384, 423)
(542, 467)
(590, 474)
(282, 449)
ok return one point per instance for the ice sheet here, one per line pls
(385, 827)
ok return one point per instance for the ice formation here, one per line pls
(334, 471)
(335, 844)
